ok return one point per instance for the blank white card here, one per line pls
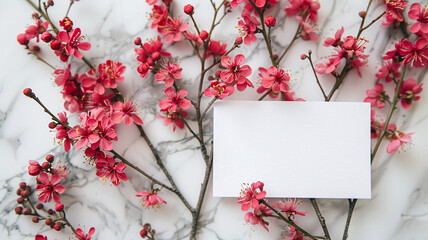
(297, 149)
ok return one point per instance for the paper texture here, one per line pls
(297, 149)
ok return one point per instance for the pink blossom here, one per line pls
(234, 3)
(275, 78)
(327, 66)
(415, 55)
(294, 234)
(290, 96)
(173, 29)
(111, 73)
(250, 195)
(73, 42)
(397, 138)
(33, 31)
(151, 198)
(66, 23)
(193, 37)
(389, 71)
(421, 16)
(235, 71)
(82, 236)
(394, 9)
(216, 48)
(159, 15)
(174, 100)
(96, 129)
(34, 168)
(108, 168)
(247, 28)
(408, 91)
(376, 96)
(168, 74)
(49, 187)
(60, 170)
(62, 132)
(290, 208)
(299, 6)
(173, 118)
(336, 40)
(394, 53)
(257, 217)
(308, 31)
(62, 75)
(40, 237)
(219, 89)
(125, 112)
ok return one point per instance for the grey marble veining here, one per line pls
(397, 211)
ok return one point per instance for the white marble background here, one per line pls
(397, 211)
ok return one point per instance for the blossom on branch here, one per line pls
(49, 187)
(151, 198)
(168, 74)
(257, 217)
(250, 195)
(408, 91)
(108, 168)
(174, 100)
(236, 72)
(421, 16)
(82, 236)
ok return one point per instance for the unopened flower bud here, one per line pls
(310, 51)
(58, 226)
(203, 35)
(28, 92)
(211, 78)
(52, 125)
(270, 21)
(26, 211)
(59, 207)
(25, 194)
(143, 233)
(20, 200)
(35, 219)
(28, 188)
(48, 221)
(150, 62)
(55, 45)
(275, 56)
(152, 232)
(22, 39)
(363, 14)
(188, 9)
(46, 36)
(156, 56)
(303, 56)
(147, 226)
(217, 73)
(39, 206)
(18, 191)
(238, 40)
(137, 41)
(50, 211)
(22, 185)
(66, 23)
(35, 15)
(49, 158)
(18, 210)
(36, 49)
(50, 3)
(46, 165)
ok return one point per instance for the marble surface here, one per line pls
(398, 209)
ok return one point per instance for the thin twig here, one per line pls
(316, 76)
(69, 7)
(265, 94)
(352, 204)
(208, 107)
(368, 25)
(321, 218)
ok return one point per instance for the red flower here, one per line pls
(250, 195)
(299, 6)
(159, 15)
(82, 236)
(308, 31)
(66, 23)
(216, 48)
(394, 9)
(247, 28)
(151, 198)
(421, 16)
(33, 31)
(125, 112)
(236, 72)
(336, 40)
(34, 168)
(270, 21)
(257, 217)
(408, 92)
(290, 208)
(49, 187)
(415, 55)
(175, 100)
(397, 138)
(275, 78)
(173, 29)
(218, 89)
(108, 168)
(376, 96)
(168, 74)
(73, 42)
(174, 118)
(40, 237)
(62, 132)
(145, 55)
(389, 71)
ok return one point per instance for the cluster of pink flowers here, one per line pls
(307, 11)
(394, 9)
(149, 54)
(49, 177)
(251, 197)
(276, 80)
(348, 48)
(174, 105)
